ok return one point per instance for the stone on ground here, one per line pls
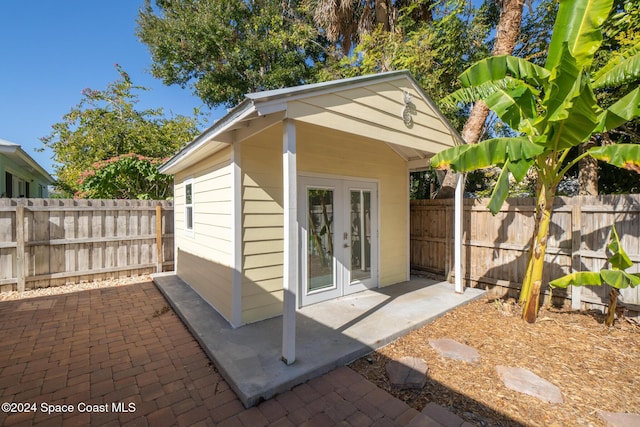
(407, 373)
(525, 381)
(619, 419)
(455, 350)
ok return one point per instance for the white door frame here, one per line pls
(341, 259)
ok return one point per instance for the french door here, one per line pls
(339, 220)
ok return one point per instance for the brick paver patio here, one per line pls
(120, 356)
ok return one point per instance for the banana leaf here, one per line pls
(619, 259)
(620, 69)
(572, 108)
(620, 279)
(625, 109)
(626, 156)
(500, 191)
(578, 25)
(516, 107)
(467, 95)
(580, 278)
(496, 151)
(500, 66)
(615, 278)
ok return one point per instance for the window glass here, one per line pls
(188, 205)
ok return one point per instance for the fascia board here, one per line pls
(268, 102)
(25, 161)
(8, 148)
(227, 122)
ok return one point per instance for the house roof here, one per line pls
(23, 161)
(390, 107)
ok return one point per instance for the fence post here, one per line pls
(20, 247)
(576, 261)
(159, 238)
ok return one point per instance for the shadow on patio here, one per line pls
(328, 335)
(123, 346)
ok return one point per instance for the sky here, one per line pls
(51, 50)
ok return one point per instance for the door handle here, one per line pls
(345, 246)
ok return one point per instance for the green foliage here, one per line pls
(624, 24)
(615, 277)
(225, 49)
(420, 184)
(106, 124)
(435, 50)
(554, 109)
(129, 176)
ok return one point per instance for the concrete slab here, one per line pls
(329, 334)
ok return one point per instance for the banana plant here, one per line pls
(616, 277)
(552, 108)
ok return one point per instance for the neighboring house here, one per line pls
(301, 195)
(20, 175)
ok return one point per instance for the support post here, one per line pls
(20, 273)
(291, 252)
(159, 257)
(458, 218)
(236, 247)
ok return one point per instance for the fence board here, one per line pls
(64, 241)
(495, 247)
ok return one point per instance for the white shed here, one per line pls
(300, 195)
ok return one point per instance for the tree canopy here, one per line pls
(225, 49)
(130, 176)
(106, 124)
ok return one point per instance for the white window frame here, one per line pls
(189, 213)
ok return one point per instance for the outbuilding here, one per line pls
(300, 195)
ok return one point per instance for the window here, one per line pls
(8, 188)
(21, 187)
(188, 206)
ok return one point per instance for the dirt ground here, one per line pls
(595, 367)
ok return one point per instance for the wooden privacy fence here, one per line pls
(50, 242)
(495, 247)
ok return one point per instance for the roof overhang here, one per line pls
(363, 103)
(23, 161)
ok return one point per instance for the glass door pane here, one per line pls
(320, 265)
(360, 235)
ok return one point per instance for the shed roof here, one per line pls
(22, 160)
(390, 107)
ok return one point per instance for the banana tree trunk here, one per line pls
(530, 293)
(611, 310)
